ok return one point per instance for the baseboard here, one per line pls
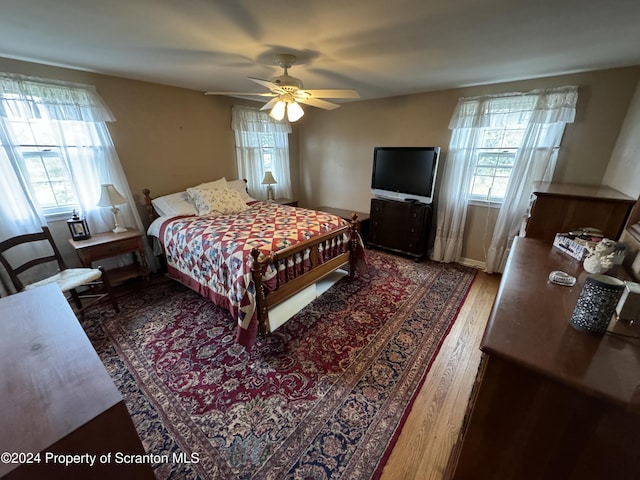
(470, 262)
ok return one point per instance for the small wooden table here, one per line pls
(362, 220)
(286, 201)
(109, 244)
(56, 395)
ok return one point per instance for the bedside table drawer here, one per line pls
(115, 248)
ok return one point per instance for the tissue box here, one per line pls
(571, 247)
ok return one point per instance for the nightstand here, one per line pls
(286, 201)
(109, 244)
(362, 220)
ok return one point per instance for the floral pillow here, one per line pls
(220, 200)
(240, 186)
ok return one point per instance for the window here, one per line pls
(492, 174)
(41, 151)
(262, 145)
(55, 152)
(500, 145)
(49, 177)
(267, 147)
(494, 162)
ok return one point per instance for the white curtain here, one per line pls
(250, 125)
(72, 117)
(535, 161)
(451, 208)
(543, 114)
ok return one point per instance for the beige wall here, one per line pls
(337, 146)
(623, 171)
(169, 138)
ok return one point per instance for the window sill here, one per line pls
(484, 203)
(58, 217)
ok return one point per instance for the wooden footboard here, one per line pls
(318, 270)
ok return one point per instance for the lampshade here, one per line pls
(294, 111)
(109, 196)
(277, 112)
(268, 178)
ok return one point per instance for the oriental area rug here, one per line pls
(324, 396)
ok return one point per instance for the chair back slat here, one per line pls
(15, 270)
(32, 263)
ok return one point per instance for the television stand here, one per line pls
(400, 226)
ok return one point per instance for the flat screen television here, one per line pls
(405, 173)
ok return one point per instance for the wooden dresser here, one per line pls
(399, 226)
(56, 397)
(550, 402)
(557, 208)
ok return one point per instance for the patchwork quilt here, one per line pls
(211, 254)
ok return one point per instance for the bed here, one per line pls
(251, 260)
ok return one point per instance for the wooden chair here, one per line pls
(68, 279)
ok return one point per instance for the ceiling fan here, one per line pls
(287, 93)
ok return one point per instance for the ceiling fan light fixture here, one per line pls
(278, 110)
(294, 111)
(287, 94)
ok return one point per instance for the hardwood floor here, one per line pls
(431, 430)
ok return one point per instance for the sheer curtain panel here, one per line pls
(534, 161)
(262, 144)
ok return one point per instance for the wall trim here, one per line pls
(470, 262)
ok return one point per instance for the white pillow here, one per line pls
(220, 183)
(222, 200)
(240, 186)
(174, 204)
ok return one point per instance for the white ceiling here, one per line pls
(380, 48)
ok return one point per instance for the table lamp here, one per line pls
(268, 181)
(110, 197)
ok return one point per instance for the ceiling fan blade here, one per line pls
(270, 103)
(331, 93)
(316, 102)
(264, 94)
(266, 83)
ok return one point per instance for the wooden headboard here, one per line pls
(151, 212)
